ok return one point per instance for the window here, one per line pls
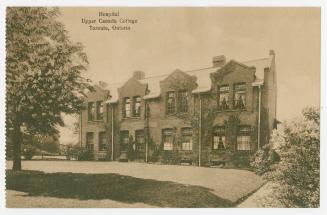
(139, 138)
(223, 98)
(187, 142)
(124, 140)
(219, 138)
(99, 110)
(183, 101)
(91, 111)
(168, 139)
(171, 101)
(243, 138)
(127, 108)
(137, 106)
(103, 146)
(89, 141)
(239, 96)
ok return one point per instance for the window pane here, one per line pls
(103, 141)
(168, 146)
(99, 110)
(187, 142)
(137, 106)
(140, 143)
(171, 102)
(168, 139)
(183, 101)
(223, 98)
(124, 140)
(127, 107)
(239, 96)
(91, 111)
(89, 140)
(219, 138)
(243, 143)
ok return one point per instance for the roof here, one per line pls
(113, 89)
(202, 75)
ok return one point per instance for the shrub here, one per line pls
(81, 153)
(171, 157)
(264, 160)
(28, 151)
(297, 174)
(85, 155)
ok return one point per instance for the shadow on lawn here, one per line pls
(113, 186)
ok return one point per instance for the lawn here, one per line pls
(116, 187)
(114, 184)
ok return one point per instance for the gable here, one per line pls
(97, 94)
(179, 80)
(233, 70)
(132, 87)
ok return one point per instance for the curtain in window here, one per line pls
(239, 96)
(187, 142)
(223, 103)
(168, 139)
(137, 106)
(127, 108)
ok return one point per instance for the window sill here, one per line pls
(177, 114)
(95, 121)
(231, 110)
(103, 151)
(132, 117)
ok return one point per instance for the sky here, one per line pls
(166, 39)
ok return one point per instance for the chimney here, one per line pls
(271, 52)
(219, 61)
(138, 75)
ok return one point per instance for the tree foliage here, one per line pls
(297, 143)
(43, 72)
(43, 69)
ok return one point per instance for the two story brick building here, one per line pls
(201, 116)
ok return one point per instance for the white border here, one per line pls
(170, 3)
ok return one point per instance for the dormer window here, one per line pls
(239, 96)
(137, 106)
(91, 111)
(183, 101)
(171, 102)
(223, 97)
(127, 107)
(99, 110)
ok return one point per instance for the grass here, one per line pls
(111, 186)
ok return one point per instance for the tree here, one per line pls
(297, 173)
(43, 74)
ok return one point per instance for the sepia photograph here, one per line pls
(162, 107)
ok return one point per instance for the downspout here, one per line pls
(80, 130)
(112, 132)
(146, 131)
(259, 116)
(200, 128)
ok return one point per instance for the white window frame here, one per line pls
(243, 142)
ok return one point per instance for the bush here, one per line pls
(264, 160)
(81, 153)
(28, 151)
(85, 155)
(171, 157)
(297, 174)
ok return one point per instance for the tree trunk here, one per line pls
(17, 140)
